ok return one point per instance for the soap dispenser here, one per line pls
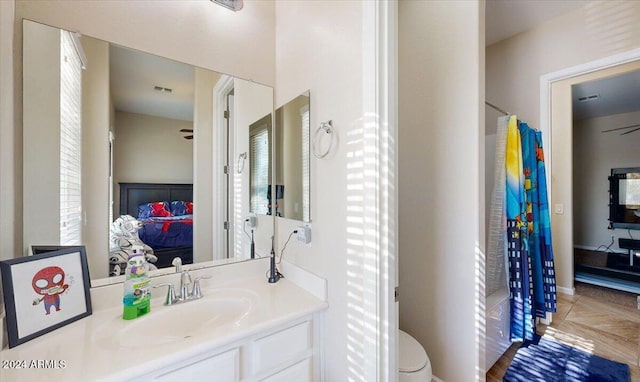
(137, 291)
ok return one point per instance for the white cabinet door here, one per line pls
(223, 367)
(300, 372)
(276, 348)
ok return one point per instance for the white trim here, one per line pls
(567, 291)
(379, 64)
(546, 81)
(220, 90)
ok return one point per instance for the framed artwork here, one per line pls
(45, 292)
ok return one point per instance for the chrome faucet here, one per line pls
(184, 285)
(185, 295)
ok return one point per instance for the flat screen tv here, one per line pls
(624, 198)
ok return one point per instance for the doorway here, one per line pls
(606, 216)
(557, 125)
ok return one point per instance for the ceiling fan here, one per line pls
(187, 131)
(632, 129)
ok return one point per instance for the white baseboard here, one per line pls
(435, 379)
(567, 291)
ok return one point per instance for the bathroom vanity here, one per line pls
(242, 329)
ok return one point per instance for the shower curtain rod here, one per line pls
(496, 108)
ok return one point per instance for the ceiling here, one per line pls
(507, 18)
(133, 76)
(607, 96)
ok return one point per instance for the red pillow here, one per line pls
(159, 209)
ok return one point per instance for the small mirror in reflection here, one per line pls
(292, 196)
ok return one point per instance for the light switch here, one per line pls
(559, 208)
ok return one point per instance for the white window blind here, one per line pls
(306, 176)
(259, 152)
(70, 142)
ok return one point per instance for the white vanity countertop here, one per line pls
(90, 352)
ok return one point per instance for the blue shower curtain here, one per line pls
(529, 253)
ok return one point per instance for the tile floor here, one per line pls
(597, 320)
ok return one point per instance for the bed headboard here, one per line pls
(134, 194)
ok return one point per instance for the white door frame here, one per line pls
(379, 64)
(546, 81)
(220, 91)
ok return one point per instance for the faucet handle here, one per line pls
(197, 292)
(171, 293)
(177, 262)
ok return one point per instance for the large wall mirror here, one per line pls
(111, 132)
(293, 194)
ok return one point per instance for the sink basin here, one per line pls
(167, 324)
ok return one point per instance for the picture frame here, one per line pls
(45, 291)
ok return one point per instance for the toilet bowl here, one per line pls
(413, 363)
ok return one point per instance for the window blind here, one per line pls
(259, 153)
(70, 142)
(306, 176)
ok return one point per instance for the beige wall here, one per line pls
(10, 229)
(594, 155)
(41, 157)
(95, 155)
(514, 66)
(151, 149)
(160, 28)
(441, 180)
(441, 170)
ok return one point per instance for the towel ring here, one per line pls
(327, 127)
(243, 157)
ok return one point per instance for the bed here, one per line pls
(166, 213)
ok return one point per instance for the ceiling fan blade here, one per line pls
(188, 137)
(619, 128)
(186, 130)
(630, 131)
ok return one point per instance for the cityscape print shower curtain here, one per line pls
(531, 273)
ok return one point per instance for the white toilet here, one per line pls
(413, 363)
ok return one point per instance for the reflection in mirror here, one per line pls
(292, 160)
(259, 156)
(122, 146)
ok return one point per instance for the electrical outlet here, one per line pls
(304, 234)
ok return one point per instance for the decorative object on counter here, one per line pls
(137, 291)
(123, 236)
(327, 127)
(45, 292)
